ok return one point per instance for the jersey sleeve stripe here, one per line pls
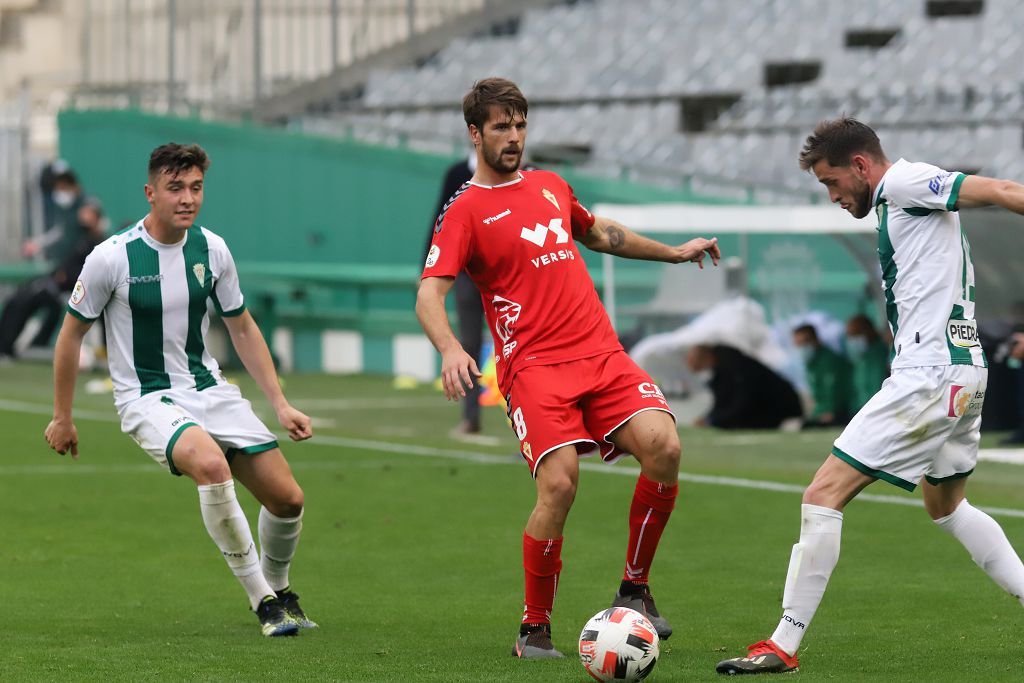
(234, 312)
(83, 318)
(220, 309)
(439, 223)
(954, 192)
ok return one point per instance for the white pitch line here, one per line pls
(733, 482)
(1013, 456)
(367, 404)
(465, 456)
(35, 409)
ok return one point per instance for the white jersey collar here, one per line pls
(518, 179)
(877, 198)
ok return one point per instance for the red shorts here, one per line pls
(579, 402)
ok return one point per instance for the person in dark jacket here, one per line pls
(747, 394)
(829, 376)
(869, 360)
(468, 306)
(49, 292)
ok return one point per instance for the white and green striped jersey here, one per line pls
(154, 297)
(927, 272)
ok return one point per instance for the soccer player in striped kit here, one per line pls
(924, 424)
(152, 281)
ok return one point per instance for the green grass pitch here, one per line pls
(410, 556)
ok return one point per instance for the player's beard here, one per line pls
(498, 162)
(862, 202)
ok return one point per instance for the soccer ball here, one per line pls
(619, 644)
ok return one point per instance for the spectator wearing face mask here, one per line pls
(62, 234)
(828, 375)
(48, 293)
(869, 359)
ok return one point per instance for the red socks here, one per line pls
(542, 560)
(648, 515)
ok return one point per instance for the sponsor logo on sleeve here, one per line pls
(938, 184)
(78, 293)
(433, 255)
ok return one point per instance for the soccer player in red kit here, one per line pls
(570, 387)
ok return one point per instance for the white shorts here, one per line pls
(923, 422)
(156, 421)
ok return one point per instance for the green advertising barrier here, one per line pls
(310, 218)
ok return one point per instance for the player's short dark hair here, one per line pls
(809, 330)
(837, 140)
(174, 159)
(492, 92)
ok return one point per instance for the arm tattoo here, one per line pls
(616, 237)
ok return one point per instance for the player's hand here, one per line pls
(62, 437)
(30, 248)
(458, 373)
(695, 250)
(296, 423)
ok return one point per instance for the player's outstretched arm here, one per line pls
(977, 191)
(61, 433)
(610, 237)
(458, 369)
(252, 349)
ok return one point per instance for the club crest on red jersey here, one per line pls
(550, 196)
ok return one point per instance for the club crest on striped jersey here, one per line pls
(550, 196)
(199, 270)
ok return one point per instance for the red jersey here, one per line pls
(515, 240)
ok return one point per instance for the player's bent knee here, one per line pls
(290, 505)
(557, 491)
(937, 509)
(826, 495)
(662, 453)
(823, 493)
(670, 451)
(208, 468)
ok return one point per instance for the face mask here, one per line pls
(806, 353)
(856, 346)
(703, 376)
(63, 198)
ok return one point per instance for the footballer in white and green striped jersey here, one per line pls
(154, 296)
(923, 426)
(152, 282)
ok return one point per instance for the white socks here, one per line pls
(988, 546)
(810, 567)
(229, 529)
(278, 538)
